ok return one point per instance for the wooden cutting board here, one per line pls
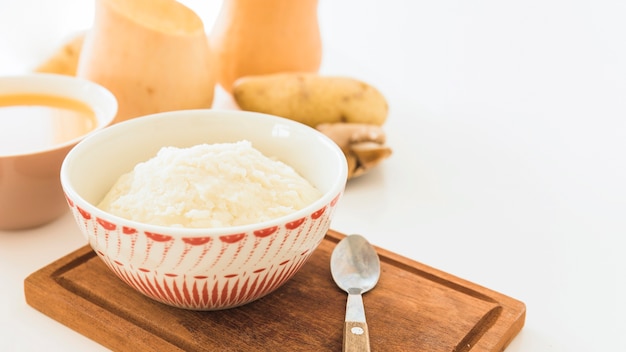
(413, 308)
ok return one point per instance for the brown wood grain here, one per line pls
(414, 307)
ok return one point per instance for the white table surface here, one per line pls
(508, 125)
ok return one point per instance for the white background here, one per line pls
(508, 125)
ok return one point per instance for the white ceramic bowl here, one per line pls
(30, 191)
(212, 268)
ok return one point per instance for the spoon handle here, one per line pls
(355, 337)
(355, 332)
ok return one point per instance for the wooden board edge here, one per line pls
(70, 310)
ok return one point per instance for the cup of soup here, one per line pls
(43, 116)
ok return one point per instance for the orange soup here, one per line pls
(32, 122)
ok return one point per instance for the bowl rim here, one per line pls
(63, 80)
(328, 199)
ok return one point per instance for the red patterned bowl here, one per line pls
(212, 268)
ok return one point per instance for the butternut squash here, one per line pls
(64, 59)
(153, 55)
(252, 37)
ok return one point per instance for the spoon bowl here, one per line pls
(355, 268)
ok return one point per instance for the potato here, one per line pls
(312, 98)
(64, 60)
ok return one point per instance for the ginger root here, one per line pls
(363, 144)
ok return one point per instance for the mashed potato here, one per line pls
(209, 185)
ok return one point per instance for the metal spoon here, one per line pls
(355, 267)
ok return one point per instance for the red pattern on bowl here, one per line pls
(219, 271)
